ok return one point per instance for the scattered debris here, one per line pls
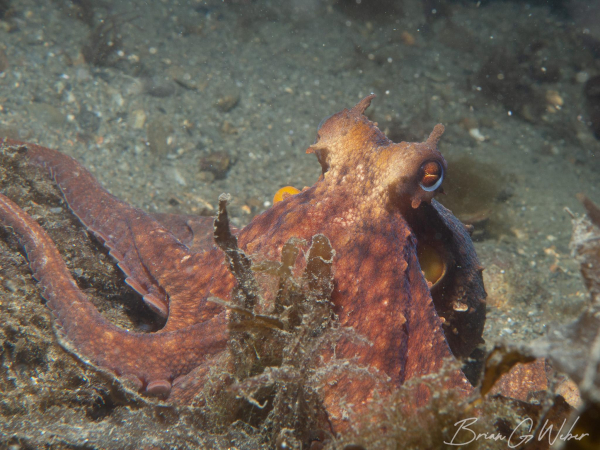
(103, 42)
(217, 163)
(228, 99)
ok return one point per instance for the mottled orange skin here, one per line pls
(368, 186)
(368, 202)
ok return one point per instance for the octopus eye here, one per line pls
(431, 176)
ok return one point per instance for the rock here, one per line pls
(137, 119)
(159, 88)
(186, 80)
(217, 163)
(88, 121)
(228, 98)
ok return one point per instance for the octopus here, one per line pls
(406, 277)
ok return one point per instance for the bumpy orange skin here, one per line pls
(373, 201)
(364, 203)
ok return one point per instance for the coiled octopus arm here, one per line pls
(151, 360)
(137, 240)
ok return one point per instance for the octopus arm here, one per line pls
(153, 361)
(117, 224)
(102, 213)
(427, 344)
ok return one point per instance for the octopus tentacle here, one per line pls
(155, 359)
(138, 242)
(426, 328)
(100, 212)
(182, 273)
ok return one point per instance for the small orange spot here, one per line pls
(284, 193)
(99, 140)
